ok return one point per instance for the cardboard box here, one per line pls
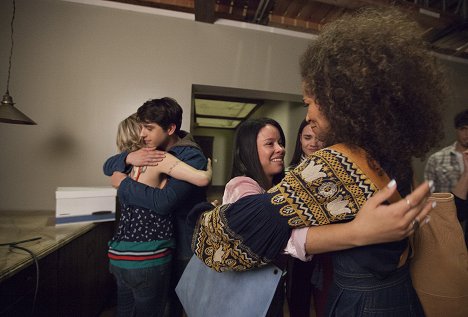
(84, 204)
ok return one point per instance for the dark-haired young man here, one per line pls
(448, 168)
(161, 120)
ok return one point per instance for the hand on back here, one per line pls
(386, 223)
(117, 178)
(145, 157)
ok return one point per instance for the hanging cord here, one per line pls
(11, 47)
(14, 245)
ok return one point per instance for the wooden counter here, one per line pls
(73, 266)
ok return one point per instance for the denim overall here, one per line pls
(358, 290)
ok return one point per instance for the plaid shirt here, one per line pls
(444, 169)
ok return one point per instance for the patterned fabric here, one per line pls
(130, 255)
(143, 239)
(328, 187)
(444, 169)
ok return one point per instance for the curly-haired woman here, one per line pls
(373, 95)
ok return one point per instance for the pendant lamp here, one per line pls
(8, 112)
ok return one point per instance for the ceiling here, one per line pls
(445, 21)
(222, 112)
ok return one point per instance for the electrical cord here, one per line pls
(14, 245)
(21, 241)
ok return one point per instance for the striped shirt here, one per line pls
(143, 239)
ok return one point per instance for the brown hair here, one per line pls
(246, 161)
(378, 86)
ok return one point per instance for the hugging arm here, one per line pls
(117, 163)
(374, 223)
(174, 167)
(124, 161)
(163, 200)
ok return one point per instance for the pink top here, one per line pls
(242, 186)
(296, 245)
(239, 187)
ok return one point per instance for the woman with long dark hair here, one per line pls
(258, 164)
(306, 144)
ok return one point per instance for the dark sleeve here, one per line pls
(462, 208)
(196, 211)
(164, 200)
(116, 163)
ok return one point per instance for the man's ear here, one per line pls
(171, 129)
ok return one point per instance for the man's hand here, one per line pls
(117, 178)
(145, 157)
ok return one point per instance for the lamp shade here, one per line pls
(9, 114)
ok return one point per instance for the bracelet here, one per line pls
(172, 167)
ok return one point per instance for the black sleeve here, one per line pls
(462, 208)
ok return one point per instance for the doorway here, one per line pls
(287, 109)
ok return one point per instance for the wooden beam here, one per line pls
(205, 11)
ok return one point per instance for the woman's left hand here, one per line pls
(380, 223)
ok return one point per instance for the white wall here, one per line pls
(79, 69)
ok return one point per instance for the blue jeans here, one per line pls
(142, 292)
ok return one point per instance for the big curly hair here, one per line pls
(379, 87)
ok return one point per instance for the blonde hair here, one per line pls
(128, 134)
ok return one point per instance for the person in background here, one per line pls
(160, 121)
(374, 121)
(306, 144)
(448, 168)
(307, 278)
